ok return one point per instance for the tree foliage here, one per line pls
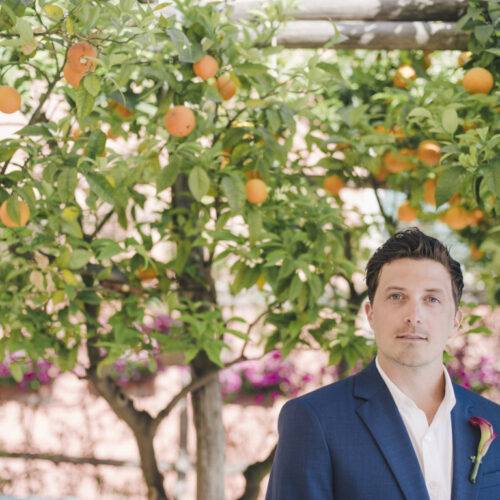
(108, 187)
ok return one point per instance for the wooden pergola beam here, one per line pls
(373, 35)
(369, 24)
(365, 10)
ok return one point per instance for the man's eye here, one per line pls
(395, 296)
(434, 300)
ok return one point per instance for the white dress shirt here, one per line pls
(433, 444)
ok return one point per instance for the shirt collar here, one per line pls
(401, 398)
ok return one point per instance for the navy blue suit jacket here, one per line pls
(347, 441)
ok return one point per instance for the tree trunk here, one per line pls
(198, 286)
(140, 422)
(207, 411)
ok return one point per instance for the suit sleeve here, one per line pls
(302, 468)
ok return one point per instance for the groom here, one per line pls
(400, 429)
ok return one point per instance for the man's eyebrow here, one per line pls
(402, 289)
(394, 287)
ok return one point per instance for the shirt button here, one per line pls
(433, 485)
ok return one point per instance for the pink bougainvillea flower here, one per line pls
(487, 437)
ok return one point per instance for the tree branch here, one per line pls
(58, 459)
(254, 474)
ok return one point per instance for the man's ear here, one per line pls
(369, 311)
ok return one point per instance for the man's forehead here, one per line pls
(408, 272)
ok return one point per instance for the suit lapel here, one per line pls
(465, 442)
(380, 415)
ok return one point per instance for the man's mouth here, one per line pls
(411, 336)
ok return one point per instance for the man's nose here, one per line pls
(413, 313)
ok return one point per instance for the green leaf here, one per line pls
(96, 144)
(274, 256)
(42, 130)
(254, 225)
(67, 181)
(70, 27)
(110, 250)
(351, 356)
(88, 297)
(118, 59)
(187, 53)
(66, 359)
(212, 94)
(494, 51)
(13, 209)
(492, 178)
(198, 183)
(84, 102)
(101, 187)
(54, 11)
(190, 354)
(24, 29)
(245, 277)
(273, 118)
(287, 268)
(315, 286)
(479, 329)
(335, 355)
(166, 176)
(462, 22)
(448, 184)
(483, 33)
(92, 84)
(17, 371)
(295, 288)
(183, 251)
(6, 153)
(450, 120)
(213, 350)
(72, 228)
(250, 69)
(234, 189)
(420, 113)
(79, 258)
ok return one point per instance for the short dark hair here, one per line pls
(413, 244)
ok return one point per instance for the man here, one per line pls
(399, 429)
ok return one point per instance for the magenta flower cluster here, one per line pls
(261, 381)
(479, 378)
(34, 374)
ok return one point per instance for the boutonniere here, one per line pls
(487, 437)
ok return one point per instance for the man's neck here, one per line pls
(424, 385)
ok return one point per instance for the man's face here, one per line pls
(413, 313)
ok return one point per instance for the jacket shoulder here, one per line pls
(477, 402)
(326, 398)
